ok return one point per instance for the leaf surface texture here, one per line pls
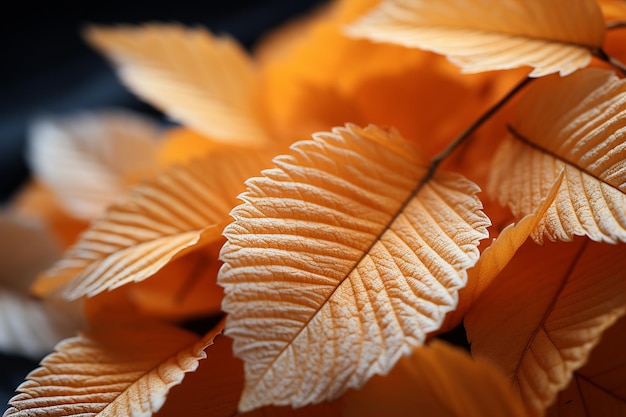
(120, 371)
(157, 222)
(340, 260)
(539, 320)
(482, 35)
(575, 127)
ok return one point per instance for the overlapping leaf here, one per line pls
(118, 371)
(544, 313)
(437, 380)
(160, 220)
(340, 260)
(207, 83)
(575, 126)
(597, 389)
(482, 35)
(90, 159)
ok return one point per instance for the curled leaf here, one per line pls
(207, 83)
(575, 127)
(117, 371)
(482, 35)
(340, 260)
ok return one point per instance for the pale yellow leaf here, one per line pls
(598, 389)
(437, 380)
(575, 126)
(90, 159)
(483, 35)
(32, 328)
(539, 320)
(340, 261)
(118, 371)
(207, 83)
(158, 221)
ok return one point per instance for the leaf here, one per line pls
(31, 328)
(181, 209)
(118, 371)
(573, 125)
(436, 380)
(539, 320)
(597, 389)
(482, 35)
(90, 159)
(207, 83)
(340, 260)
(215, 387)
(495, 258)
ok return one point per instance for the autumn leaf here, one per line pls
(181, 209)
(597, 389)
(495, 258)
(89, 160)
(207, 83)
(436, 380)
(572, 125)
(119, 370)
(340, 260)
(215, 387)
(539, 320)
(482, 35)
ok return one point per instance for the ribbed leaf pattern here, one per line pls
(185, 206)
(124, 371)
(545, 312)
(574, 126)
(338, 263)
(482, 35)
(207, 83)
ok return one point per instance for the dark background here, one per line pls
(46, 68)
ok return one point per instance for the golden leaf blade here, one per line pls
(597, 389)
(480, 35)
(119, 371)
(574, 126)
(207, 83)
(340, 260)
(161, 220)
(539, 320)
(90, 159)
(436, 380)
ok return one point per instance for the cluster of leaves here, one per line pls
(353, 249)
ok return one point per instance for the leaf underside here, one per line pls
(335, 266)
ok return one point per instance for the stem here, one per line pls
(436, 161)
(615, 63)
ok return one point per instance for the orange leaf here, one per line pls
(574, 126)
(340, 260)
(436, 380)
(207, 83)
(482, 35)
(597, 389)
(539, 320)
(116, 371)
(159, 221)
